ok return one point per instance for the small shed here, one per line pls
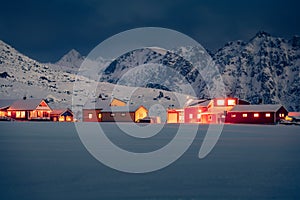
(62, 115)
(256, 114)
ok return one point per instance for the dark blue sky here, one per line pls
(45, 30)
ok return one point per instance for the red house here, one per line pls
(4, 105)
(256, 114)
(193, 112)
(29, 109)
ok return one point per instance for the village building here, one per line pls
(115, 110)
(29, 109)
(175, 115)
(62, 115)
(4, 105)
(293, 117)
(257, 114)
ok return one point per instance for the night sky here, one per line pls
(45, 30)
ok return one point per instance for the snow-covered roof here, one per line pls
(198, 102)
(256, 108)
(120, 108)
(27, 104)
(60, 111)
(5, 103)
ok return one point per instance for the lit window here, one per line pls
(191, 116)
(245, 115)
(22, 114)
(199, 110)
(256, 115)
(99, 115)
(281, 115)
(112, 114)
(61, 118)
(198, 116)
(123, 114)
(9, 113)
(2, 114)
(68, 118)
(220, 102)
(18, 114)
(90, 115)
(268, 115)
(231, 102)
(233, 115)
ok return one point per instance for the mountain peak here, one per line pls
(261, 34)
(71, 59)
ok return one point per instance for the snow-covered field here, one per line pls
(44, 160)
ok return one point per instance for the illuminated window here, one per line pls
(123, 114)
(281, 115)
(68, 118)
(90, 115)
(99, 115)
(198, 116)
(233, 115)
(112, 114)
(231, 102)
(18, 114)
(268, 115)
(61, 118)
(9, 113)
(199, 110)
(191, 116)
(255, 115)
(220, 102)
(210, 118)
(22, 114)
(245, 115)
(2, 114)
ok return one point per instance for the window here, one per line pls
(90, 116)
(268, 115)
(68, 118)
(281, 115)
(23, 114)
(220, 102)
(99, 115)
(210, 118)
(18, 114)
(233, 115)
(255, 115)
(61, 118)
(112, 114)
(191, 116)
(245, 115)
(231, 102)
(199, 110)
(2, 113)
(123, 114)
(198, 116)
(9, 113)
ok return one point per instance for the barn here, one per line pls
(92, 110)
(29, 109)
(62, 115)
(256, 114)
(194, 110)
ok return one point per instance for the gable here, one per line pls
(43, 106)
(117, 102)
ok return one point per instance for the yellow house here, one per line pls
(117, 102)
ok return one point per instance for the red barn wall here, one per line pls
(94, 113)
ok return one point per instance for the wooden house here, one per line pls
(123, 114)
(256, 114)
(194, 110)
(29, 109)
(62, 115)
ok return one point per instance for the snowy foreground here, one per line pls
(48, 161)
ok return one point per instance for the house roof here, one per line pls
(121, 108)
(5, 103)
(98, 104)
(27, 104)
(256, 108)
(60, 111)
(198, 102)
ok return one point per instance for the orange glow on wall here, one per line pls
(233, 115)
(231, 102)
(245, 115)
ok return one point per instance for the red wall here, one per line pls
(94, 115)
(194, 111)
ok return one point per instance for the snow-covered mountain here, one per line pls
(264, 69)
